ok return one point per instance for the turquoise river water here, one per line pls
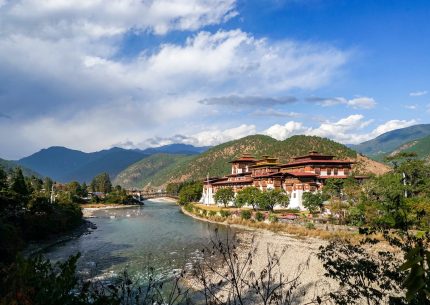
(157, 234)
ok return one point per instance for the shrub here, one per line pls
(273, 218)
(204, 212)
(245, 214)
(310, 225)
(224, 213)
(188, 208)
(259, 216)
(212, 213)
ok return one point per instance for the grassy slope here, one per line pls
(421, 147)
(141, 173)
(215, 160)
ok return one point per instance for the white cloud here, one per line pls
(103, 18)
(348, 130)
(281, 132)
(391, 125)
(418, 93)
(217, 136)
(62, 74)
(411, 107)
(355, 103)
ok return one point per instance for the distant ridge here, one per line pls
(10, 165)
(64, 164)
(180, 149)
(392, 140)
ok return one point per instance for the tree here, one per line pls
(313, 201)
(47, 184)
(101, 183)
(191, 191)
(3, 179)
(84, 190)
(224, 195)
(271, 198)
(248, 196)
(18, 184)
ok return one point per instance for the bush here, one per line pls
(273, 218)
(212, 213)
(310, 225)
(224, 213)
(259, 216)
(188, 207)
(245, 214)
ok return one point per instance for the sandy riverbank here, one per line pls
(299, 257)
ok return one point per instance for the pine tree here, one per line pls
(18, 183)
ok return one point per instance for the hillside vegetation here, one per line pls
(64, 164)
(215, 161)
(11, 165)
(141, 173)
(421, 147)
(388, 142)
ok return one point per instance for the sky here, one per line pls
(94, 74)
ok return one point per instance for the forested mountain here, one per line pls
(141, 173)
(64, 164)
(215, 161)
(421, 147)
(8, 165)
(392, 140)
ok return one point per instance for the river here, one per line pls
(157, 234)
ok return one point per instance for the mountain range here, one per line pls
(63, 164)
(177, 162)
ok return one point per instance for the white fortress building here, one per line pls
(304, 174)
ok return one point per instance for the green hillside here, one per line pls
(215, 161)
(9, 165)
(141, 173)
(421, 147)
(390, 141)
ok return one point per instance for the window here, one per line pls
(335, 171)
(328, 171)
(317, 170)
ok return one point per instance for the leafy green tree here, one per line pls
(190, 192)
(101, 183)
(3, 179)
(313, 201)
(248, 196)
(18, 184)
(47, 184)
(74, 188)
(224, 195)
(269, 199)
(84, 189)
(333, 188)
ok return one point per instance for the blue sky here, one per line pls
(92, 74)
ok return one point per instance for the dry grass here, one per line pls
(293, 229)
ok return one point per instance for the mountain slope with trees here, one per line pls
(64, 164)
(11, 165)
(141, 173)
(392, 140)
(215, 161)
